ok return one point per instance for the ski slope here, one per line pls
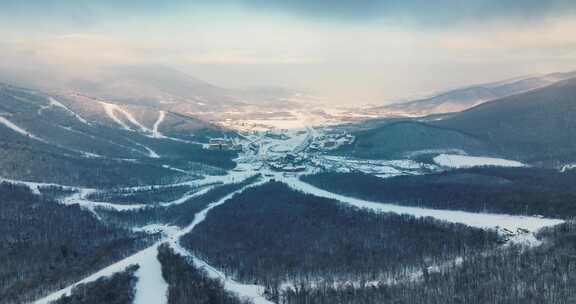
(139, 258)
(251, 292)
(17, 129)
(479, 220)
(155, 129)
(112, 109)
(56, 103)
(151, 287)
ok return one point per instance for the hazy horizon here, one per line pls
(352, 52)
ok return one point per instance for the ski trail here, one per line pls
(56, 103)
(155, 132)
(17, 129)
(35, 187)
(151, 153)
(135, 259)
(186, 197)
(80, 198)
(244, 291)
(512, 223)
(251, 292)
(133, 120)
(174, 169)
(147, 288)
(110, 109)
(151, 286)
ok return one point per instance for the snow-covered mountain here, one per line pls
(111, 201)
(61, 136)
(464, 98)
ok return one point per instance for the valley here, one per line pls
(278, 155)
(261, 206)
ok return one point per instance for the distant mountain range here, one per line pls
(537, 126)
(149, 85)
(468, 97)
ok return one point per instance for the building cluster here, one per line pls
(223, 144)
(331, 141)
(288, 163)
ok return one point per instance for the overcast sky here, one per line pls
(353, 51)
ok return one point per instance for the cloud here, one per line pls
(420, 12)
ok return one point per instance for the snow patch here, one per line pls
(463, 161)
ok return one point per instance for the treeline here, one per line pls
(273, 234)
(117, 289)
(188, 284)
(510, 275)
(45, 246)
(180, 215)
(522, 191)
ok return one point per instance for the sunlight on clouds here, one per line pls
(345, 62)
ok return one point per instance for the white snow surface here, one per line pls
(151, 287)
(478, 220)
(567, 167)
(35, 187)
(133, 120)
(464, 161)
(155, 129)
(110, 110)
(140, 258)
(15, 128)
(250, 292)
(56, 103)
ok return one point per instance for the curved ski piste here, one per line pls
(478, 220)
(155, 129)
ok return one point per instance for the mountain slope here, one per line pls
(534, 126)
(411, 138)
(465, 98)
(73, 139)
(152, 86)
